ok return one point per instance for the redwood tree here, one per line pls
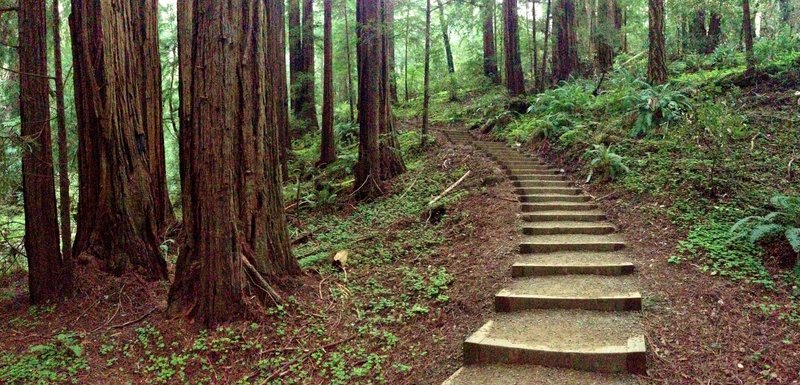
(565, 51)
(607, 33)
(328, 145)
(301, 50)
(121, 208)
(489, 52)
(378, 152)
(657, 58)
(236, 240)
(515, 81)
(451, 67)
(48, 274)
(275, 23)
(747, 31)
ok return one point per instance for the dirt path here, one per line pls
(572, 314)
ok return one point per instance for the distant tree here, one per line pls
(426, 88)
(657, 58)
(565, 54)
(545, 46)
(328, 145)
(489, 52)
(236, 239)
(747, 30)
(698, 32)
(515, 81)
(451, 67)
(350, 96)
(49, 276)
(301, 68)
(121, 205)
(65, 209)
(714, 36)
(534, 46)
(607, 33)
(275, 23)
(378, 152)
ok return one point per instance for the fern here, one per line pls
(604, 161)
(784, 220)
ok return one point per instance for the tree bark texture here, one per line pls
(350, 94)
(657, 57)
(389, 16)
(378, 153)
(117, 89)
(307, 110)
(515, 81)
(747, 30)
(714, 37)
(565, 53)
(489, 53)
(607, 33)
(236, 240)
(48, 273)
(275, 23)
(545, 46)
(63, 151)
(328, 145)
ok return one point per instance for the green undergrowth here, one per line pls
(707, 152)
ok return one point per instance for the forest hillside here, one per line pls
(399, 192)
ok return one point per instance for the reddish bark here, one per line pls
(565, 52)
(489, 53)
(276, 25)
(657, 57)
(63, 152)
(327, 145)
(608, 33)
(515, 81)
(236, 238)
(118, 209)
(48, 274)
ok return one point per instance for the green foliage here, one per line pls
(56, 362)
(605, 162)
(657, 105)
(783, 221)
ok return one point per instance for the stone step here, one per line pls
(500, 374)
(513, 173)
(575, 339)
(556, 228)
(571, 242)
(601, 293)
(535, 177)
(548, 190)
(564, 216)
(512, 163)
(557, 206)
(533, 198)
(572, 263)
(544, 183)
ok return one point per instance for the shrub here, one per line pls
(605, 162)
(785, 221)
(657, 105)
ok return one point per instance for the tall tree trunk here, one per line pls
(489, 52)
(747, 30)
(534, 46)
(607, 34)
(276, 22)
(545, 46)
(697, 31)
(565, 54)
(714, 32)
(451, 67)
(657, 57)
(391, 160)
(308, 102)
(624, 29)
(350, 96)
(48, 273)
(295, 57)
(328, 145)
(236, 239)
(185, 30)
(515, 81)
(405, 62)
(63, 150)
(389, 16)
(378, 159)
(426, 90)
(118, 207)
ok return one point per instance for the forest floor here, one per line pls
(413, 286)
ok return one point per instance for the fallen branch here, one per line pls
(26, 73)
(261, 282)
(447, 191)
(136, 321)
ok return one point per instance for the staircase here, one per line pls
(572, 314)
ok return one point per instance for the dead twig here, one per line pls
(140, 319)
(447, 191)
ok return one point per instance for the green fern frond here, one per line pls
(765, 230)
(793, 236)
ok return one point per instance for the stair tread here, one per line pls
(562, 330)
(566, 225)
(573, 238)
(576, 259)
(574, 286)
(532, 375)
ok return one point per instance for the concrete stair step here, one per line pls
(540, 198)
(564, 216)
(575, 339)
(559, 206)
(572, 263)
(514, 173)
(601, 293)
(544, 183)
(571, 242)
(549, 190)
(536, 177)
(568, 227)
(532, 375)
